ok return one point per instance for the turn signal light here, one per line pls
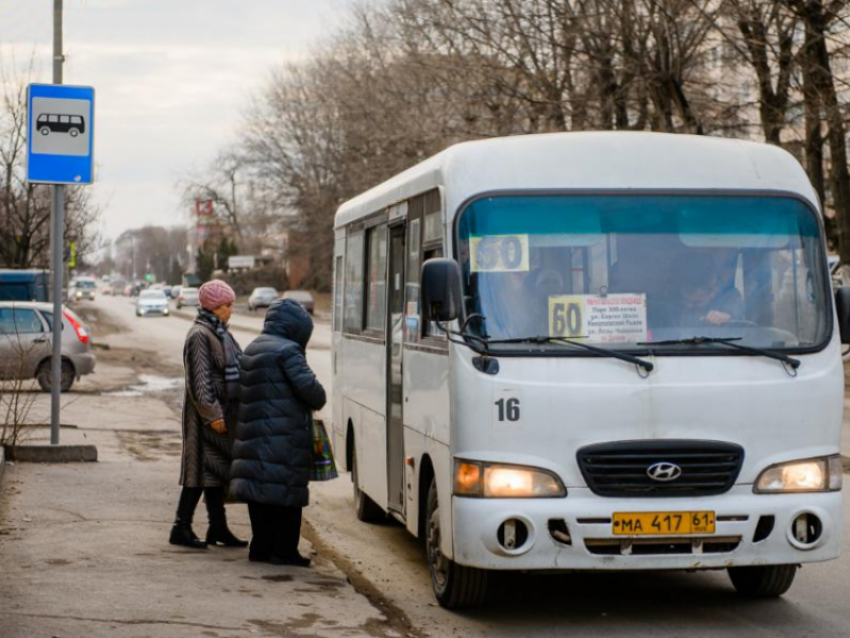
(496, 480)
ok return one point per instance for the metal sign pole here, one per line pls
(58, 271)
(58, 246)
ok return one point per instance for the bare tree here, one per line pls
(24, 207)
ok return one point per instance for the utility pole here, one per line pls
(57, 242)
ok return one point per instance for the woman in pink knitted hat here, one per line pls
(211, 363)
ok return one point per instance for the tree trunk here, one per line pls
(819, 67)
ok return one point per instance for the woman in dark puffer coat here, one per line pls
(273, 447)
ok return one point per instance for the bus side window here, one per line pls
(353, 319)
(376, 279)
(338, 274)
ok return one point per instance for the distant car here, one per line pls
(301, 296)
(152, 302)
(188, 297)
(128, 290)
(25, 338)
(82, 289)
(175, 291)
(262, 298)
(167, 291)
(107, 290)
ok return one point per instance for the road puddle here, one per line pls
(148, 384)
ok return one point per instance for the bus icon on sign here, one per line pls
(48, 123)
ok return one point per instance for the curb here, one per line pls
(54, 454)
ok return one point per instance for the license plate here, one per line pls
(662, 523)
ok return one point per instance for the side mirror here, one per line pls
(441, 290)
(842, 307)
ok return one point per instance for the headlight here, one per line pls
(495, 480)
(810, 475)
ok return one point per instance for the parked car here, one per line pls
(82, 289)
(152, 302)
(188, 297)
(25, 344)
(24, 285)
(262, 298)
(301, 296)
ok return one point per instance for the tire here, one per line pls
(74, 132)
(770, 581)
(455, 586)
(366, 510)
(43, 376)
(45, 130)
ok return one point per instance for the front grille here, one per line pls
(620, 469)
(664, 546)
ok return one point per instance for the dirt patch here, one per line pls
(396, 619)
(100, 322)
(140, 361)
(280, 578)
(148, 446)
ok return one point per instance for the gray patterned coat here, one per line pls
(206, 454)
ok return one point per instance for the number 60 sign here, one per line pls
(499, 253)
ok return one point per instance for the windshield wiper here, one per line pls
(727, 341)
(605, 352)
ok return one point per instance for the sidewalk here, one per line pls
(84, 552)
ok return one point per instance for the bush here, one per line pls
(268, 276)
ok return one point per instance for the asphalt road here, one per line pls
(384, 562)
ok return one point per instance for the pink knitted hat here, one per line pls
(214, 294)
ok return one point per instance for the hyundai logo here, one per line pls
(664, 472)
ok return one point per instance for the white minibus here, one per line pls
(593, 351)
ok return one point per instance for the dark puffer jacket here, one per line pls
(273, 447)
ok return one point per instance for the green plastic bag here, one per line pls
(323, 467)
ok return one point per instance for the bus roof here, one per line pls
(589, 161)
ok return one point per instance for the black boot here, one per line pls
(182, 534)
(181, 531)
(218, 532)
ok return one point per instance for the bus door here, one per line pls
(395, 401)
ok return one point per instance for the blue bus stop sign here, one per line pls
(60, 134)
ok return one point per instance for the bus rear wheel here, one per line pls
(366, 510)
(455, 586)
(769, 581)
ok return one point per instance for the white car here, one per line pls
(262, 298)
(151, 302)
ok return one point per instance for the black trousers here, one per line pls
(275, 530)
(191, 496)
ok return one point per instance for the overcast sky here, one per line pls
(172, 81)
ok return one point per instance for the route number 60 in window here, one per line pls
(565, 318)
(499, 253)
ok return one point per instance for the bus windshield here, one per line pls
(625, 270)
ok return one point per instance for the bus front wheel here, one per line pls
(367, 510)
(455, 586)
(768, 581)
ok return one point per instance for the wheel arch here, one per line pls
(426, 475)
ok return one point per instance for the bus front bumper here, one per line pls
(576, 532)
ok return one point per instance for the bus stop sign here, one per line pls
(60, 133)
